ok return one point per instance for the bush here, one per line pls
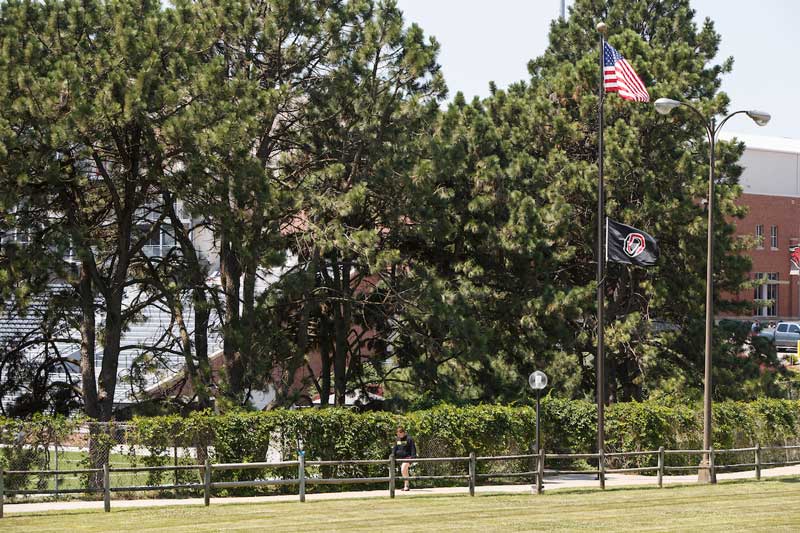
(444, 430)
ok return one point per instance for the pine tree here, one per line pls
(511, 245)
(90, 92)
(360, 144)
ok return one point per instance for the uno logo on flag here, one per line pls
(634, 244)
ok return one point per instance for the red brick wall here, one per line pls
(783, 212)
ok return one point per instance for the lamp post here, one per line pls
(538, 381)
(664, 106)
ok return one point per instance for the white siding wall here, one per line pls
(771, 164)
(773, 173)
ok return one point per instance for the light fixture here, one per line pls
(759, 117)
(665, 105)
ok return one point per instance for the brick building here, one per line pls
(771, 189)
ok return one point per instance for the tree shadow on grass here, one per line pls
(786, 479)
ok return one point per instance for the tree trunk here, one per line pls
(201, 319)
(307, 304)
(186, 347)
(632, 387)
(111, 345)
(88, 378)
(325, 359)
(340, 336)
(611, 381)
(230, 272)
(99, 450)
(202, 379)
(247, 322)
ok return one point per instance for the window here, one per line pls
(772, 293)
(160, 242)
(19, 236)
(69, 254)
(793, 328)
(782, 328)
(20, 232)
(773, 237)
(766, 294)
(759, 235)
(757, 289)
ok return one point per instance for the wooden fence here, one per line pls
(536, 475)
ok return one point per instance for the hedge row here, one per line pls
(344, 434)
(443, 430)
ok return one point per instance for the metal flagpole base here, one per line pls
(704, 472)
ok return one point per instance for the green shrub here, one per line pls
(445, 430)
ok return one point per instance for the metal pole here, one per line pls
(601, 361)
(563, 9)
(660, 467)
(758, 461)
(540, 473)
(392, 474)
(2, 490)
(472, 469)
(704, 474)
(106, 488)
(537, 445)
(175, 455)
(602, 468)
(56, 462)
(207, 482)
(301, 473)
(711, 468)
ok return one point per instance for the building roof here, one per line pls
(153, 331)
(764, 143)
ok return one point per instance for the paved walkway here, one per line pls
(550, 483)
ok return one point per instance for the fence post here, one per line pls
(758, 461)
(601, 463)
(207, 482)
(711, 467)
(106, 488)
(2, 489)
(301, 472)
(472, 464)
(660, 467)
(392, 474)
(175, 455)
(540, 473)
(56, 460)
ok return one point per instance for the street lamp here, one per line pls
(664, 106)
(538, 381)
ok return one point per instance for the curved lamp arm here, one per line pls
(724, 120)
(665, 105)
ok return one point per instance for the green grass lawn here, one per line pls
(730, 506)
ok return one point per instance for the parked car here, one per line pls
(784, 336)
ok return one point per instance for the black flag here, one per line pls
(626, 244)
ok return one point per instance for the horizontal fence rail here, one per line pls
(99, 479)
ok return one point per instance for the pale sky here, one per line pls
(492, 40)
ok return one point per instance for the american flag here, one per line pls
(619, 76)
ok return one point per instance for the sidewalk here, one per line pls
(550, 483)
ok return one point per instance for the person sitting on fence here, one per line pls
(404, 448)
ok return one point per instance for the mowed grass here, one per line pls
(730, 506)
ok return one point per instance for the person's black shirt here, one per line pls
(405, 448)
